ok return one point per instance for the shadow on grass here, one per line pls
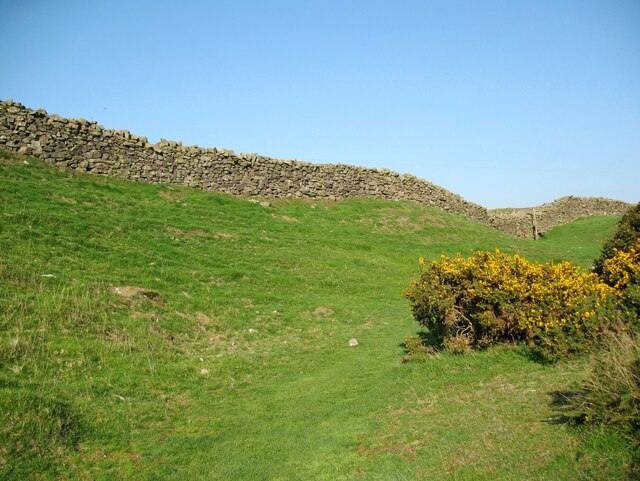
(564, 406)
(425, 338)
(425, 344)
(533, 355)
(420, 347)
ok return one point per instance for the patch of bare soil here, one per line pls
(171, 194)
(285, 218)
(195, 235)
(322, 311)
(130, 293)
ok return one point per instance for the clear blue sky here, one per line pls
(507, 103)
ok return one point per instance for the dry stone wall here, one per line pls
(84, 145)
(519, 222)
(87, 146)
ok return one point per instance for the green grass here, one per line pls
(581, 239)
(172, 385)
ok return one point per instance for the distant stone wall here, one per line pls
(84, 145)
(519, 222)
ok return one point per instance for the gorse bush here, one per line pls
(623, 269)
(495, 297)
(622, 272)
(626, 236)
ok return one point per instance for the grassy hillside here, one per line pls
(157, 332)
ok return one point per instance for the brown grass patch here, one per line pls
(197, 235)
(130, 293)
(322, 311)
(68, 200)
(202, 318)
(174, 195)
(285, 218)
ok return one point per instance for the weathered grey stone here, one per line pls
(36, 147)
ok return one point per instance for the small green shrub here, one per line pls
(610, 394)
(417, 349)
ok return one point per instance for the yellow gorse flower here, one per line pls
(623, 269)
